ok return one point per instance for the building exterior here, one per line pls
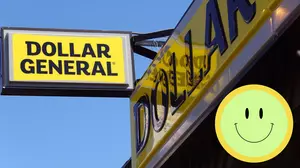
(174, 104)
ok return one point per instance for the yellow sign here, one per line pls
(262, 132)
(206, 41)
(67, 62)
(67, 58)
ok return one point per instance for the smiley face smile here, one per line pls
(236, 128)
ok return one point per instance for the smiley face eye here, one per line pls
(261, 113)
(247, 113)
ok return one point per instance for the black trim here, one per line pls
(127, 164)
(138, 40)
(65, 92)
(144, 52)
(158, 34)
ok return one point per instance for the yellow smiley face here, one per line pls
(254, 123)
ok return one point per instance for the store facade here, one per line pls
(174, 104)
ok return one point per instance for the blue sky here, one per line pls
(62, 132)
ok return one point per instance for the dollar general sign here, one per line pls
(40, 56)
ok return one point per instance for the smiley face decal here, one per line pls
(254, 123)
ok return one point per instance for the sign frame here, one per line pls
(68, 88)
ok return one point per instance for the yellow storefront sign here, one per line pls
(67, 62)
(67, 58)
(187, 66)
